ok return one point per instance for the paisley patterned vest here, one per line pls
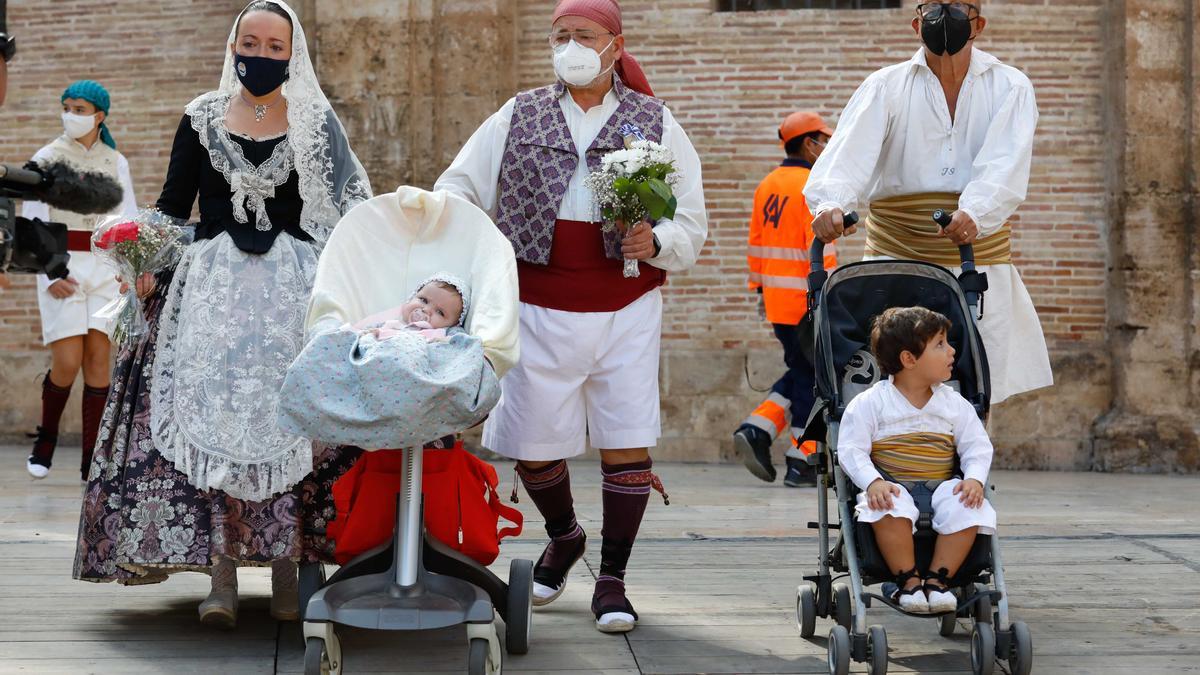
(540, 158)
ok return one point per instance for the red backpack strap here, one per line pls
(506, 512)
(487, 475)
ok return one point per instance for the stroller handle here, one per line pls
(816, 254)
(966, 252)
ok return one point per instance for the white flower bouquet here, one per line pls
(633, 185)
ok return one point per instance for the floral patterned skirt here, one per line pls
(143, 520)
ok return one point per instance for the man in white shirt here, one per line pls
(951, 128)
(589, 335)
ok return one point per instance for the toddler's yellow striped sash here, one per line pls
(915, 457)
(903, 227)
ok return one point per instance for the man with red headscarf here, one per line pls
(589, 335)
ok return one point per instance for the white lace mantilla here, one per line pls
(234, 321)
(232, 324)
(331, 179)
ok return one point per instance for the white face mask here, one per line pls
(78, 126)
(577, 65)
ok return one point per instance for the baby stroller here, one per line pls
(843, 304)
(379, 252)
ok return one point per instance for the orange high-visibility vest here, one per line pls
(780, 236)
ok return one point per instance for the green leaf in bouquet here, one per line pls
(672, 204)
(654, 203)
(623, 186)
(660, 188)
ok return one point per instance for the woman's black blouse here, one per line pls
(191, 172)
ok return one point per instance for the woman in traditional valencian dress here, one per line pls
(191, 472)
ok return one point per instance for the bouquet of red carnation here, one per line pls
(150, 242)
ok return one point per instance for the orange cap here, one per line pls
(800, 123)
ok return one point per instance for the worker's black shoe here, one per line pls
(754, 446)
(800, 473)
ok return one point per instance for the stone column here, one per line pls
(412, 79)
(1152, 425)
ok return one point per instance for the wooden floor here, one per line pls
(1104, 569)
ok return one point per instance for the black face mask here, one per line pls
(259, 74)
(946, 33)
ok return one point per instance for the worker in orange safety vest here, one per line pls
(780, 236)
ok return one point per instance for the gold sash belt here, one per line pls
(915, 457)
(902, 227)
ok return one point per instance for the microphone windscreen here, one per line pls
(80, 191)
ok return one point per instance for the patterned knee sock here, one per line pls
(54, 400)
(550, 489)
(94, 399)
(625, 492)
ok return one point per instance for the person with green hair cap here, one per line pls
(77, 339)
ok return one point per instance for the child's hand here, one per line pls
(879, 494)
(971, 493)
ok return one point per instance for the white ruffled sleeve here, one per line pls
(844, 171)
(682, 237)
(474, 174)
(1001, 167)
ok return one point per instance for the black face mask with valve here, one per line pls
(948, 32)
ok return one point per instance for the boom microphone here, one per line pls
(63, 187)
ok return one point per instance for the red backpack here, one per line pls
(462, 507)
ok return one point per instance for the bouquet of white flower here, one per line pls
(633, 185)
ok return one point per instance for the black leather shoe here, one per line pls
(800, 473)
(754, 446)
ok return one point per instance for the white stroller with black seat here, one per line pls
(843, 304)
(377, 254)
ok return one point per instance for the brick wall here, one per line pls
(728, 78)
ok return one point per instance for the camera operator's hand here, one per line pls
(63, 288)
(145, 285)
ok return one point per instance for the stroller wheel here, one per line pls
(806, 610)
(838, 651)
(877, 650)
(982, 609)
(983, 649)
(311, 576)
(318, 660)
(479, 658)
(843, 609)
(520, 607)
(1020, 661)
(946, 624)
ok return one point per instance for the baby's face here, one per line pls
(439, 306)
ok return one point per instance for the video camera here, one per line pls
(30, 246)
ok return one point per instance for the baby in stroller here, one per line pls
(903, 436)
(437, 307)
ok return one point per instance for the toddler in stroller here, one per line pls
(919, 427)
(901, 436)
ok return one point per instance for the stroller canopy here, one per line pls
(384, 247)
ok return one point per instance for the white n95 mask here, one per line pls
(577, 65)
